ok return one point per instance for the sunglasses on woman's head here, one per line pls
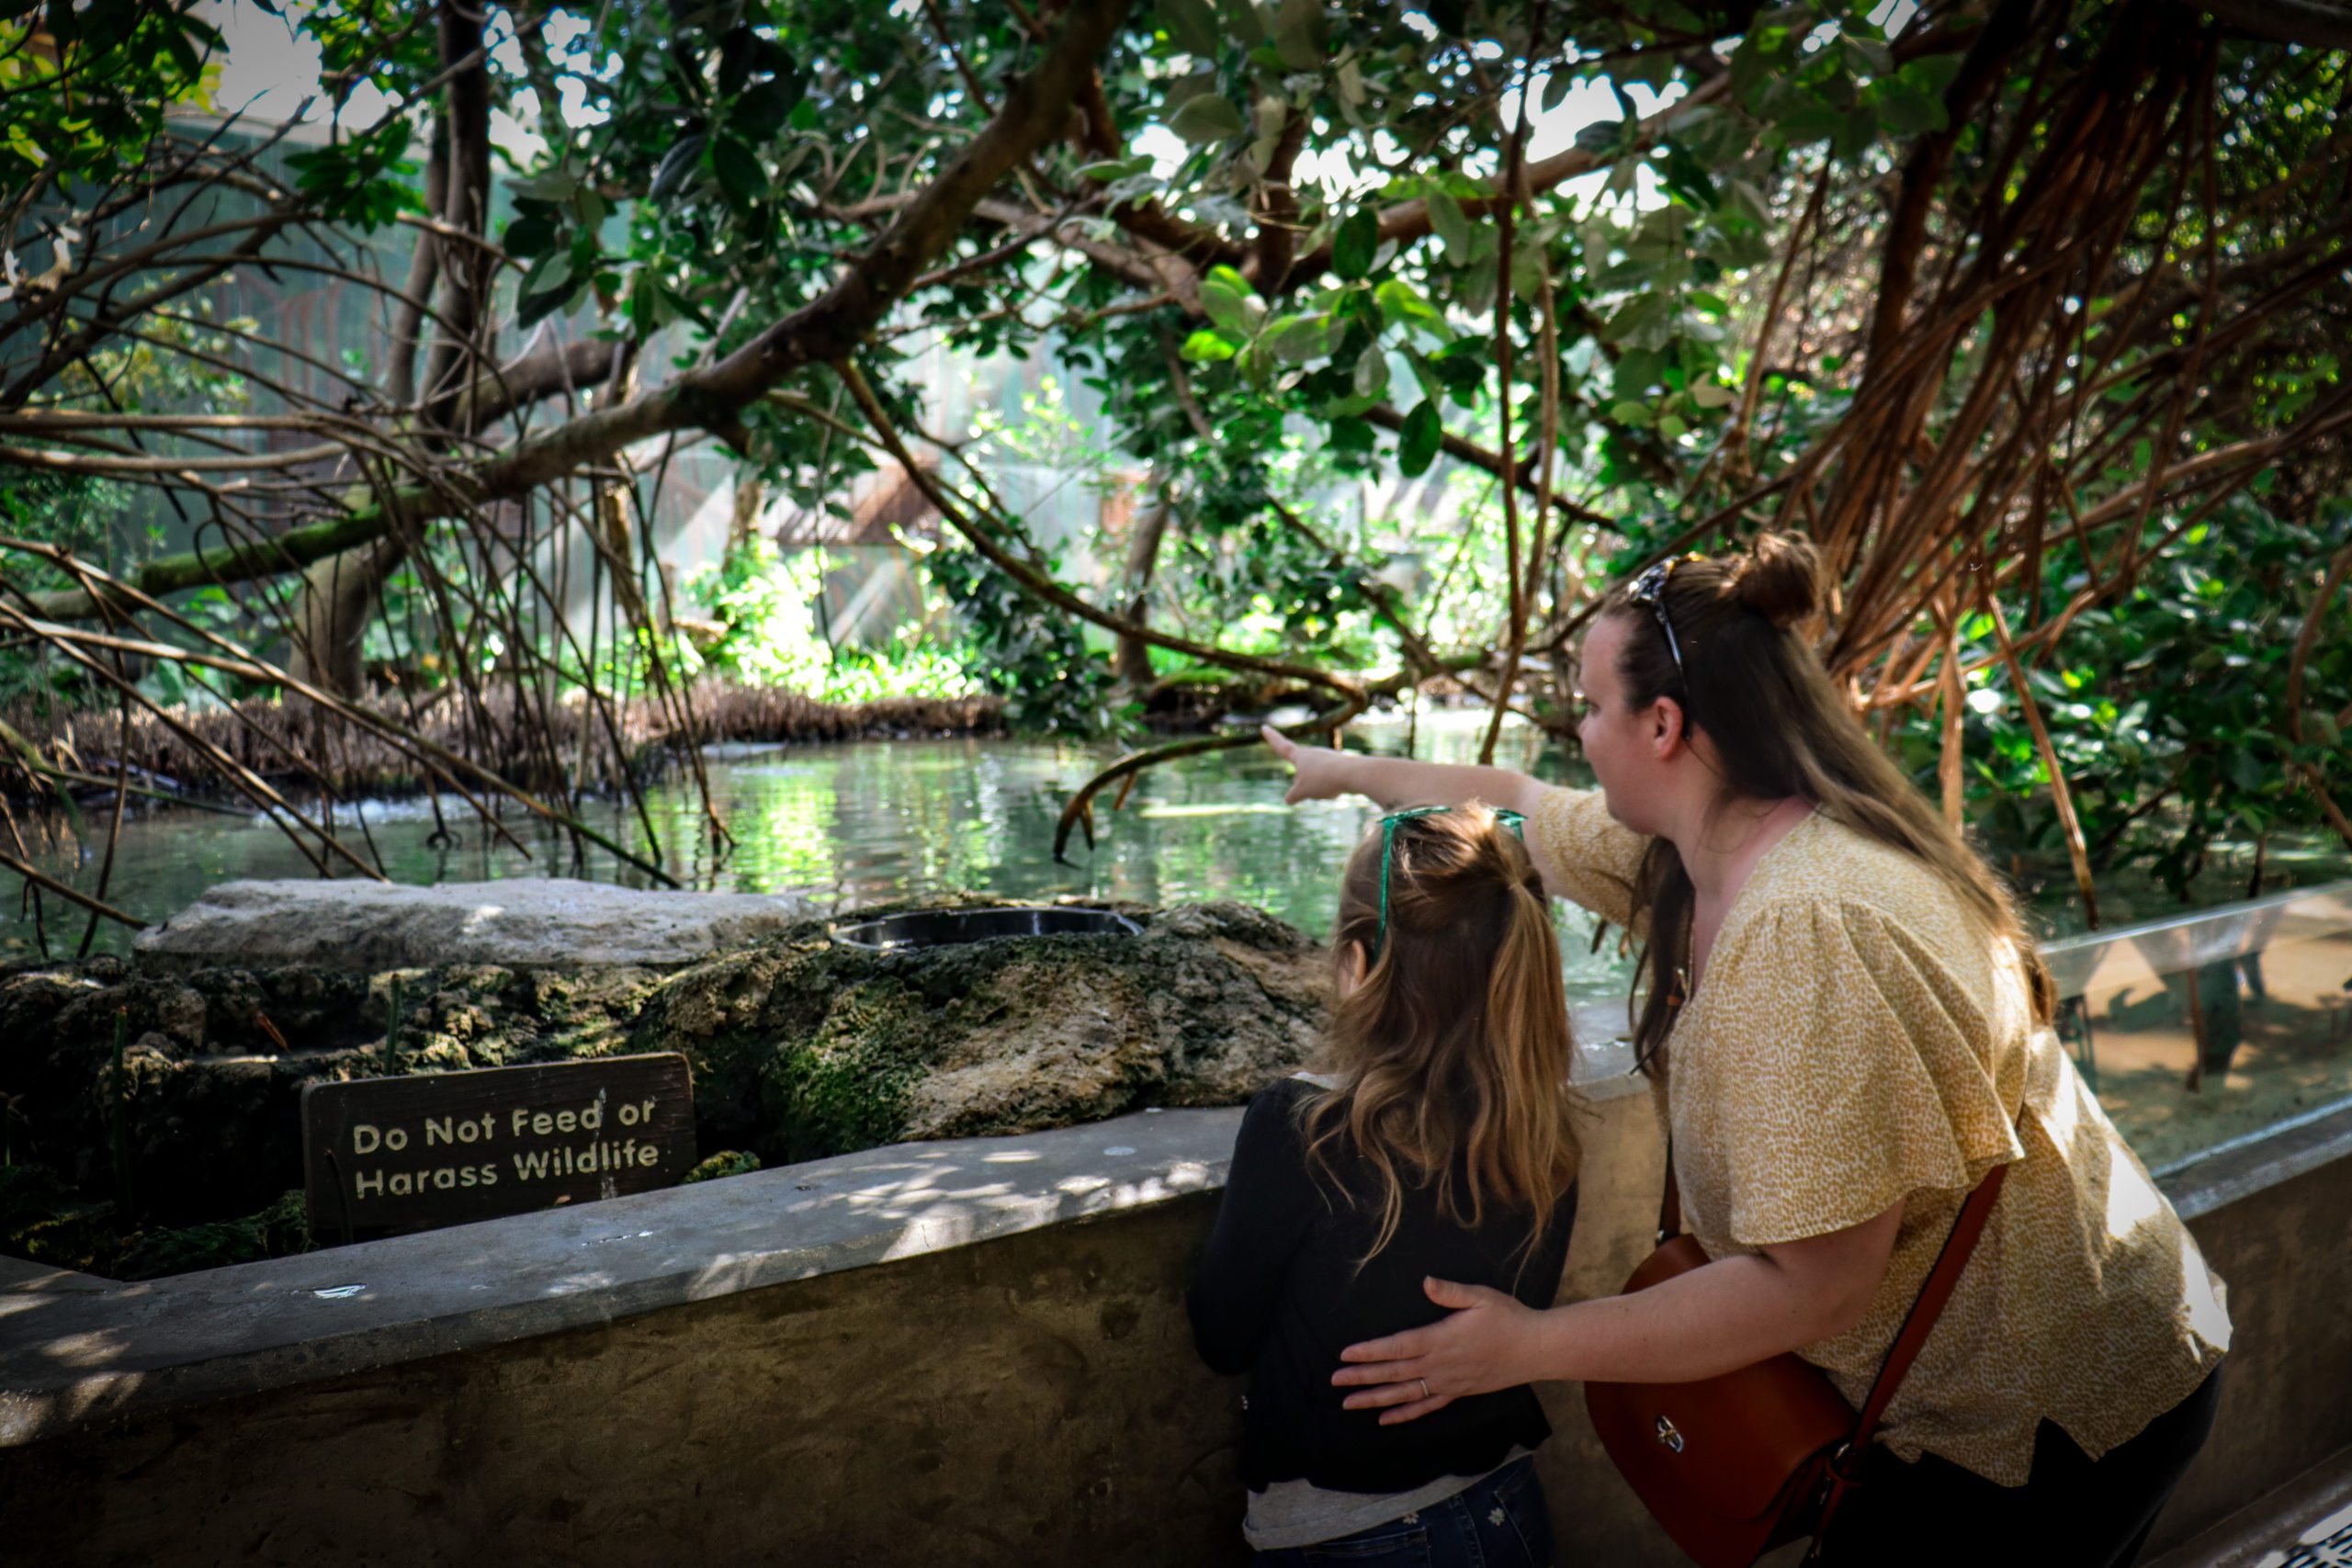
(1649, 590)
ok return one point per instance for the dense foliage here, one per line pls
(2024, 309)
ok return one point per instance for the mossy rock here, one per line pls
(799, 1049)
(215, 1061)
(803, 1048)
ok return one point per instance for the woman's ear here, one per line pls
(1670, 727)
(1352, 966)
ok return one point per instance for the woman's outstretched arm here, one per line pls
(1732, 1312)
(1326, 775)
(1323, 773)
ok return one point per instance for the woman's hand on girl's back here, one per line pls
(1320, 771)
(1487, 1342)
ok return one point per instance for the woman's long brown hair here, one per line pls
(1756, 689)
(1453, 1053)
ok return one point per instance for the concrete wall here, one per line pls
(1031, 1399)
(2275, 1218)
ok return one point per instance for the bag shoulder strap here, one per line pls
(1846, 1465)
(1926, 1307)
(1670, 1204)
(1928, 1304)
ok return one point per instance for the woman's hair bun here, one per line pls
(1780, 578)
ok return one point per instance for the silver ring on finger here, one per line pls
(1425, 1388)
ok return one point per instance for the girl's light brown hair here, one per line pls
(1753, 685)
(1453, 1053)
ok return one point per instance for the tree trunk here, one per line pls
(1143, 555)
(330, 617)
(458, 351)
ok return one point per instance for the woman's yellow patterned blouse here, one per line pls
(1857, 1039)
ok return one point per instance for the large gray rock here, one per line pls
(529, 922)
(803, 1048)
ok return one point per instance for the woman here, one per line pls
(1853, 1028)
(1442, 1144)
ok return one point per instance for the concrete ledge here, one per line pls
(75, 1350)
(2270, 1213)
(2211, 1177)
(2312, 1511)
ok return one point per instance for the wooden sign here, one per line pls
(385, 1155)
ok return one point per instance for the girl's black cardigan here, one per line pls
(1278, 1293)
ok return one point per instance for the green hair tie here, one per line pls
(1515, 821)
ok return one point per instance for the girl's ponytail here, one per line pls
(1452, 1052)
(1527, 1040)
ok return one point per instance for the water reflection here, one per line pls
(856, 823)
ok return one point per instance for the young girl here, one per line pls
(1440, 1145)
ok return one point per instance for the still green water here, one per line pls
(851, 824)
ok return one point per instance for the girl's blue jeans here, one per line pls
(1501, 1522)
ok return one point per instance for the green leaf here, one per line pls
(1349, 81)
(762, 112)
(1231, 303)
(741, 174)
(1371, 372)
(1906, 110)
(1671, 427)
(1354, 245)
(553, 185)
(1266, 118)
(1207, 117)
(551, 274)
(1446, 217)
(1711, 395)
(1527, 270)
(1632, 414)
(735, 53)
(1297, 339)
(1241, 17)
(1600, 138)
(531, 236)
(1932, 74)
(1205, 347)
(1192, 25)
(1299, 34)
(1416, 443)
(1400, 302)
(1808, 119)
(676, 164)
(1350, 436)
(1857, 132)
(544, 287)
(1866, 57)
